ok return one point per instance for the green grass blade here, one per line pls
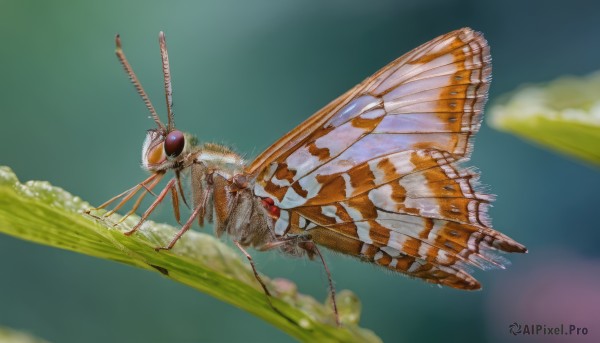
(39, 212)
(563, 115)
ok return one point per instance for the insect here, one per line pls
(375, 174)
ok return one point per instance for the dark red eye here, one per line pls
(174, 143)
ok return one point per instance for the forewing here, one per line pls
(430, 98)
(446, 78)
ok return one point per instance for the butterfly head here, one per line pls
(161, 149)
(165, 146)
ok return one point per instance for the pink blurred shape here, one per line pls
(550, 289)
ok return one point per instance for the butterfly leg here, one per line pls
(128, 194)
(175, 203)
(256, 275)
(150, 209)
(137, 203)
(261, 282)
(199, 211)
(183, 229)
(305, 242)
(313, 249)
(181, 192)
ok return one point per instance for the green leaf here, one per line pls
(563, 115)
(8, 335)
(39, 212)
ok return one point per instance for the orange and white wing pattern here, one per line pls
(375, 174)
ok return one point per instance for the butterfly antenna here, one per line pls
(136, 83)
(167, 77)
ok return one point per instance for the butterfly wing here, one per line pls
(375, 173)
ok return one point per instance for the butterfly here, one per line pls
(376, 174)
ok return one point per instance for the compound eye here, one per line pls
(174, 143)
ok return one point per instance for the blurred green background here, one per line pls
(244, 73)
